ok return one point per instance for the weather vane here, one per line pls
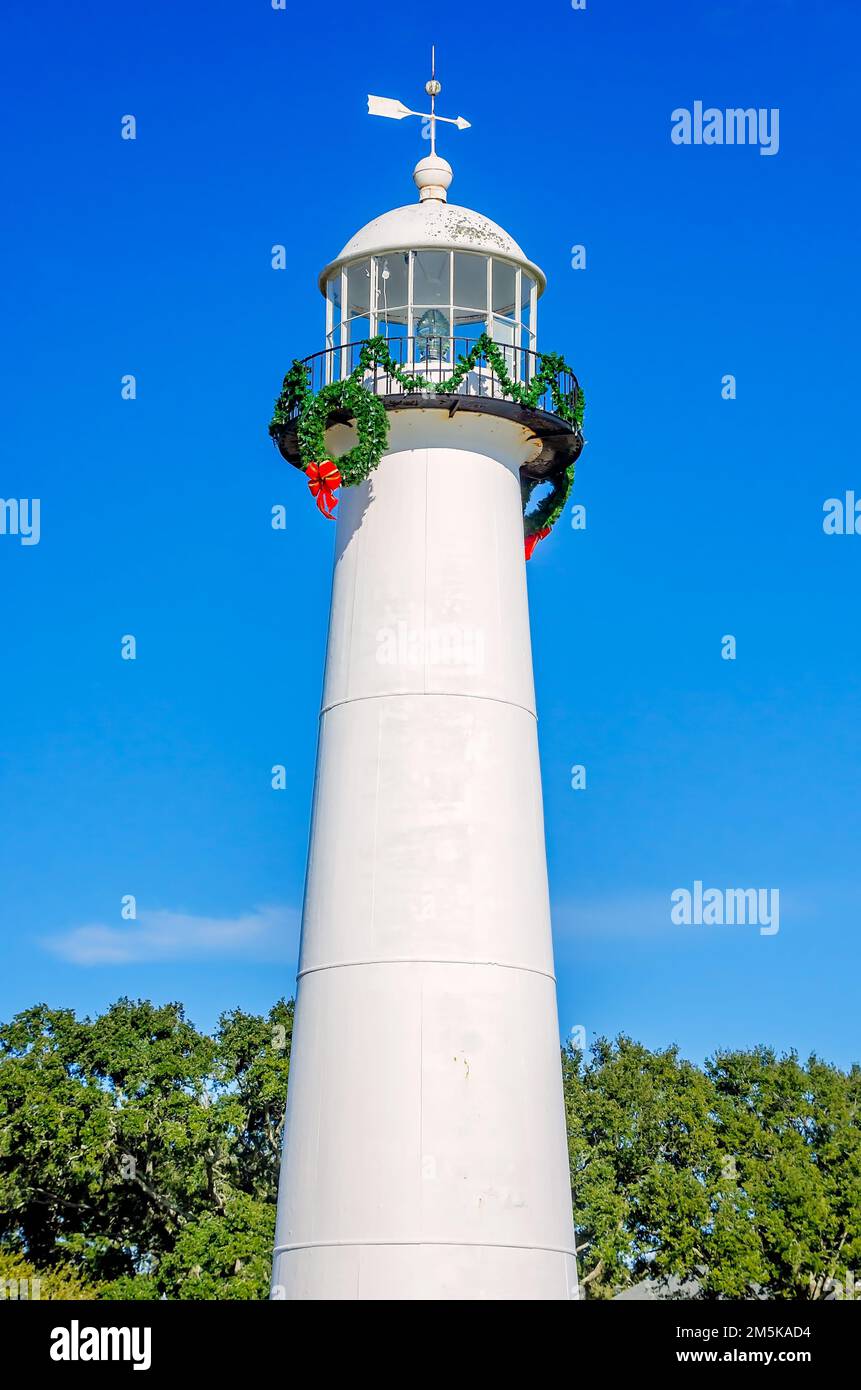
(396, 111)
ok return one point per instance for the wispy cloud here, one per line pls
(646, 916)
(264, 933)
(643, 915)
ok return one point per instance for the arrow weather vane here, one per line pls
(396, 111)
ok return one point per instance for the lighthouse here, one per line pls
(425, 1152)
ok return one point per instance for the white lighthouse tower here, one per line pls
(425, 1150)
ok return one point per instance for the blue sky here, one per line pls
(704, 515)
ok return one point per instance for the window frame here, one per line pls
(524, 320)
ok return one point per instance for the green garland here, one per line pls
(545, 515)
(313, 412)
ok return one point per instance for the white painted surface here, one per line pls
(433, 225)
(432, 176)
(426, 1153)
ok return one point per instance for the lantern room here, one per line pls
(431, 278)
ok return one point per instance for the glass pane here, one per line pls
(470, 281)
(394, 327)
(468, 325)
(431, 279)
(389, 318)
(358, 329)
(464, 316)
(526, 283)
(358, 288)
(503, 288)
(466, 330)
(391, 281)
(333, 291)
(504, 333)
(528, 364)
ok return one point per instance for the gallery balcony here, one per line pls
(419, 375)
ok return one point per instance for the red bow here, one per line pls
(530, 542)
(324, 480)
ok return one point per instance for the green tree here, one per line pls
(643, 1153)
(223, 1254)
(123, 1136)
(792, 1139)
(745, 1176)
(255, 1053)
(19, 1279)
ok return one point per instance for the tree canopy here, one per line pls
(744, 1175)
(141, 1152)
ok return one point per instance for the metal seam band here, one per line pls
(424, 694)
(470, 1244)
(413, 960)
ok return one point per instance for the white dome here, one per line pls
(433, 225)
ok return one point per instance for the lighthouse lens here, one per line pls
(433, 333)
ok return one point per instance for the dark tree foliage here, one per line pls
(745, 1175)
(142, 1152)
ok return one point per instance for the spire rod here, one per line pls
(432, 88)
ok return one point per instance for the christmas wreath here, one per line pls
(312, 411)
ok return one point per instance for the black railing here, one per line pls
(435, 359)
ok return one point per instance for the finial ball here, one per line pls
(432, 177)
(433, 88)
